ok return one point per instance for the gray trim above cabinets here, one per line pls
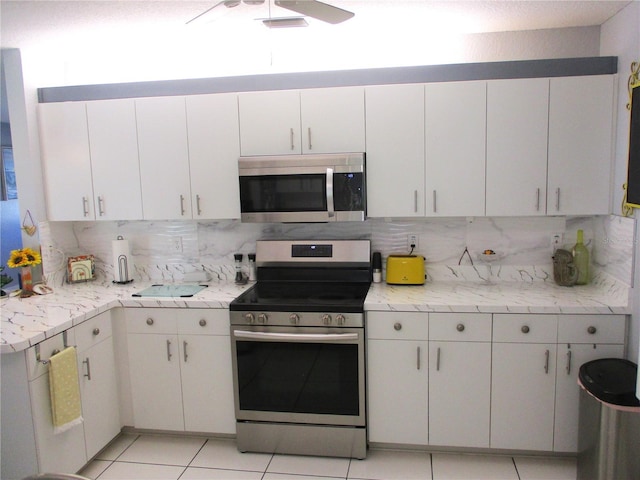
(563, 67)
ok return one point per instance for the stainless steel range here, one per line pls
(297, 340)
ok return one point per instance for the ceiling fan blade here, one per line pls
(315, 9)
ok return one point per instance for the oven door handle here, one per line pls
(330, 205)
(296, 337)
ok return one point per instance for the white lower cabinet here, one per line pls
(523, 381)
(459, 379)
(581, 338)
(397, 377)
(180, 376)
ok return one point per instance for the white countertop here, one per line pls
(28, 321)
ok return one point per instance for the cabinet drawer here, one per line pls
(93, 331)
(152, 320)
(398, 325)
(203, 321)
(591, 329)
(460, 327)
(46, 349)
(525, 328)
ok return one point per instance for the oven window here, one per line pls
(283, 193)
(298, 377)
(348, 192)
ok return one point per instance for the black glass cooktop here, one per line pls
(303, 297)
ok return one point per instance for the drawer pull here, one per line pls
(525, 329)
(397, 326)
(438, 360)
(460, 327)
(546, 361)
(591, 330)
(202, 322)
(184, 349)
(149, 321)
(569, 362)
(418, 358)
(96, 331)
(169, 350)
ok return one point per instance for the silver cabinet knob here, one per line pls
(149, 321)
(525, 329)
(460, 327)
(591, 330)
(202, 322)
(397, 326)
(96, 331)
(340, 319)
(262, 318)
(326, 319)
(294, 319)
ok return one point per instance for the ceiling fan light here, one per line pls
(231, 3)
(285, 22)
(253, 2)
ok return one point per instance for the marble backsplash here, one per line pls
(166, 250)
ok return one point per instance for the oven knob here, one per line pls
(249, 318)
(294, 318)
(340, 319)
(262, 318)
(326, 319)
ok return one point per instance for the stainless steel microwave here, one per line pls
(303, 188)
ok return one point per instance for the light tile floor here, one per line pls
(166, 457)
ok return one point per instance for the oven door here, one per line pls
(299, 375)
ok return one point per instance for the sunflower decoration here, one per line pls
(24, 257)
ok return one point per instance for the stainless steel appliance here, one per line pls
(303, 188)
(297, 340)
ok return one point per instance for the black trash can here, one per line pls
(609, 429)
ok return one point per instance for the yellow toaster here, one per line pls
(405, 269)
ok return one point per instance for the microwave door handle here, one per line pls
(296, 337)
(330, 206)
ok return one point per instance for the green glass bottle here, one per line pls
(581, 259)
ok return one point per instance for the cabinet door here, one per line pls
(99, 388)
(459, 393)
(455, 129)
(517, 125)
(114, 159)
(62, 452)
(270, 122)
(154, 369)
(66, 160)
(214, 148)
(164, 158)
(522, 396)
(397, 383)
(580, 145)
(395, 150)
(207, 384)
(570, 357)
(332, 120)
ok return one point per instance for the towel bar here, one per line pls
(55, 351)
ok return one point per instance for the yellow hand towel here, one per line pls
(64, 387)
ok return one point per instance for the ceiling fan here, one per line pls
(310, 8)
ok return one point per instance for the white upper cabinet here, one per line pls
(66, 160)
(326, 120)
(332, 120)
(114, 159)
(455, 129)
(164, 157)
(214, 148)
(395, 132)
(580, 145)
(517, 124)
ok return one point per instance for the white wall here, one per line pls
(620, 36)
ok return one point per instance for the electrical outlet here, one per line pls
(556, 241)
(412, 242)
(176, 244)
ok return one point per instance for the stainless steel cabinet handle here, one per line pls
(460, 327)
(558, 199)
(397, 326)
(309, 133)
(100, 205)
(569, 362)
(546, 361)
(415, 201)
(88, 374)
(96, 331)
(330, 205)
(184, 349)
(291, 136)
(182, 211)
(198, 209)
(438, 360)
(537, 199)
(202, 322)
(169, 350)
(525, 329)
(149, 321)
(418, 358)
(434, 202)
(85, 206)
(592, 330)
